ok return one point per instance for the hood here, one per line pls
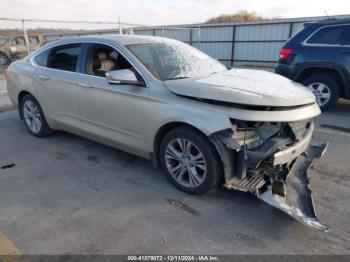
(244, 86)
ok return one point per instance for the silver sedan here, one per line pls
(166, 101)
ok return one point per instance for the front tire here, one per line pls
(33, 117)
(325, 88)
(190, 161)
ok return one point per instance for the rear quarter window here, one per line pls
(41, 59)
(327, 36)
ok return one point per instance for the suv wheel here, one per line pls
(33, 117)
(325, 89)
(190, 161)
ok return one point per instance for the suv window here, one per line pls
(102, 59)
(20, 41)
(347, 33)
(3, 40)
(64, 57)
(327, 36)
(34, 40)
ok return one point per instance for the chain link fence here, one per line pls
(239, 44)
(19, 37)
(12, 43)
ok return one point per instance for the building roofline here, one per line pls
(195, 26)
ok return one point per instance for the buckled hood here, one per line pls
(244, 86)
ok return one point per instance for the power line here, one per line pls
(68, 21)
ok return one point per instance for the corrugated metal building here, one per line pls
(252, 44)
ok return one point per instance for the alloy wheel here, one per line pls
(185, 162)
(32, 116)
(322, 93)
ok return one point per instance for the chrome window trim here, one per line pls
(33, 63)
(305, 43)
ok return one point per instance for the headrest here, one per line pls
(62, 57)
(102, 55)
(96, 63)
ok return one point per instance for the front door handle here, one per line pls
(43, 77)
(86, 85)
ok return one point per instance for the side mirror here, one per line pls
(123, 76)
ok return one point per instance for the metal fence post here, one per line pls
(199, 37)
(120, 27)
(25, 36)
(233, 45)
(191, 32)
(291, 27)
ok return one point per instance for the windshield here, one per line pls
(3, 40)
(175, 60)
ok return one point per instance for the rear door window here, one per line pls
(64, 57)
(331, 35)
(347, 36)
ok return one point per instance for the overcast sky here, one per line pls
(160, 12)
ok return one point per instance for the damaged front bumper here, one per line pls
(294, 195)
(272, 162)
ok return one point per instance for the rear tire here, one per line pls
(325, 88)
(34, 117)
(190, 161)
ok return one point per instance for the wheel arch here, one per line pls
(163, 130)
(333, 72)
(19, 99)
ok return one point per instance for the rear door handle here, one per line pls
(86, 85)
(43, 77)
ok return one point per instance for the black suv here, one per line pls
(319, 58)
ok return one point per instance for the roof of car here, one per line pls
(333, 21)
(121, 39)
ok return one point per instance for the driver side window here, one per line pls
(102, 59)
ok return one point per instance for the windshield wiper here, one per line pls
(179, 77)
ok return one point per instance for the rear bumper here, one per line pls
(285, 70)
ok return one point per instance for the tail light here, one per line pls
(285, 53)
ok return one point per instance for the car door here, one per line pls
(57, 78)
(111, 112)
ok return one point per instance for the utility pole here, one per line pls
(120, 27)
(26, 36)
